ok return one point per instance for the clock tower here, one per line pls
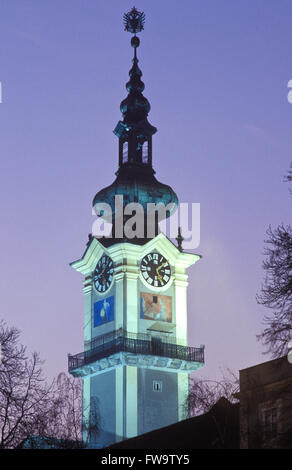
(136, 361)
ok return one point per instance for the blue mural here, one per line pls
(104, 311)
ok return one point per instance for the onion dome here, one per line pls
(135, 107)
(138, 186)
(135, 180)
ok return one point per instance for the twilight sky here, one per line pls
(216, 76)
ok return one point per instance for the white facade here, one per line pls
(132, 365)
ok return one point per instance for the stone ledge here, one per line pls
(136, 360)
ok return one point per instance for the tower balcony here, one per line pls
(120, 348)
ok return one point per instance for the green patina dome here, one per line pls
(139, 187)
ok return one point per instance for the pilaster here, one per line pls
(181, 320)
(131, 401)
(87, 289)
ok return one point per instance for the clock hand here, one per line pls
(104, 269)
(161, 266)
(158, 269)
(158, 275)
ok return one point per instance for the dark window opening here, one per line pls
(157, 386)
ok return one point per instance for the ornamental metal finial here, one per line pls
(179, 239)
(134, 21)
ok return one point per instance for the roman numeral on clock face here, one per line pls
(155, 270)
(104, 274)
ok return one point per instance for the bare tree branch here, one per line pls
(276, 290)
(31, 409)
(205, 393)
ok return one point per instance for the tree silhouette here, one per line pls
(276, 290)
(37, 413)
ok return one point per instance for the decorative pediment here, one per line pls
(87, 263)
(133, 253)
(170, 251)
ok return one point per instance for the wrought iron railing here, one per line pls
(122, 341)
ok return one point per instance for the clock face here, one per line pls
(155, 270)
(103, 274)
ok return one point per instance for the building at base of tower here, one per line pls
(136, 361)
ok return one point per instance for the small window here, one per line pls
(270, 422)
(155, 299)
(125, 152)
(157, 386)
(145, 152)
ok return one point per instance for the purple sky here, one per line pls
(216, 75)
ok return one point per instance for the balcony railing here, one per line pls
(122, 341)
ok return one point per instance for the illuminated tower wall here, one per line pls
(136, 361)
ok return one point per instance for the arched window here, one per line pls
(145, 152)
(125, 152)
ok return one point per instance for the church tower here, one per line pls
(136, 361)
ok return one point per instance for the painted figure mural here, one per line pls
(155, 307)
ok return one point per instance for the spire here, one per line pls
(135, 132)
(135, 107)
(135, 180)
